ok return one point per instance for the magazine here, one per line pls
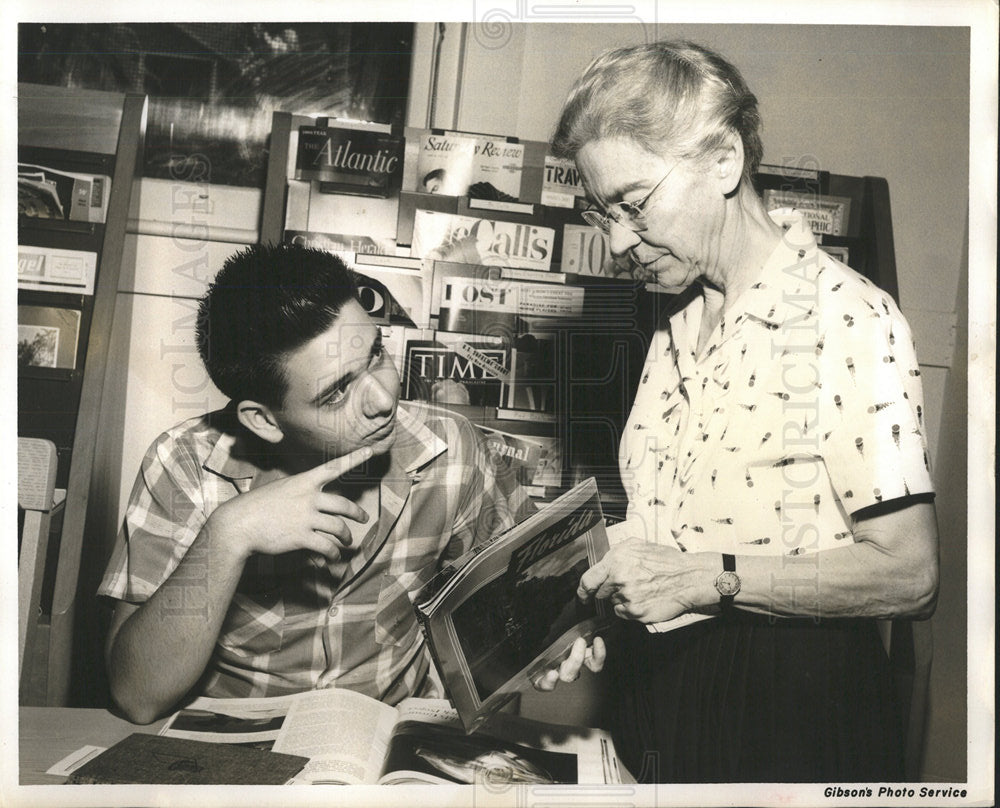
(390, 288)
(47, 193)
(456, 368)
(47, 336)
(472, 240)
(586, 251)
(507, 610)
(561, 184)
(532, 385)
(353, 739)
(349, 160)
(826, 215)
(345, 180)
(500, 306)
(340, 242)
(535, 460)
(48, 269)
(459, 164)
(402, 277)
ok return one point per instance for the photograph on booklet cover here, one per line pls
(47, 336)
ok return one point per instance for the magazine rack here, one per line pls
(599, 354)
(77, 403)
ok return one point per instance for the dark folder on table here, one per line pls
(157, 760)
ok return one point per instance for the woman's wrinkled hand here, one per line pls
(648, 582)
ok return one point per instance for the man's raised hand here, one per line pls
(292, 513)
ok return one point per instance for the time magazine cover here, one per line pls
(456, 368)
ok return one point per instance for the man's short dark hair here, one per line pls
(267, 300)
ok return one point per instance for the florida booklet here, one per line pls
(507, 610)
(352, 739)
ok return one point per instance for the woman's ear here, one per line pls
(729, 165)
(260, 420)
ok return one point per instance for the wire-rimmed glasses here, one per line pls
(630, 215)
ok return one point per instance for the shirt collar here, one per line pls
(415, 445)
(238, 454)
(787, 277)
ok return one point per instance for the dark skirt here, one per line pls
(742, 698)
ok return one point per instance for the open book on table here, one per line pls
(353, 739)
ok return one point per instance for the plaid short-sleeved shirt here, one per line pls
(296, 621)
(804, 407)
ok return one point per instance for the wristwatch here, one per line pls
(728, 582)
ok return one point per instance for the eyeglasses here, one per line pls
(630, 215)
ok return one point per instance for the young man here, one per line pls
(270, 547)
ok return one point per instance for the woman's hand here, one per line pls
(649, 582)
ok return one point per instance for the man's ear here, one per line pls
(260, 420)
(729, 165)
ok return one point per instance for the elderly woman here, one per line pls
(774, 457)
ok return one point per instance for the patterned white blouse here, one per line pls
(804, 406)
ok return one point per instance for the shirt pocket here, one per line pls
(395, 618)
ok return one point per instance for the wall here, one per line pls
(167, 382)
(891, 102)
(946, 756)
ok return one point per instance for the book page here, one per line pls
(242, 721)
(680, 621)
(345, 735)
(429, 745)
(431, 711)
(412, 713)
(596, 759)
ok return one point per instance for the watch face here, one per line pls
(728, 583)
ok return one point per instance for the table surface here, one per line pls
(48, 734)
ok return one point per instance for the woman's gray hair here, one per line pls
(669, 97)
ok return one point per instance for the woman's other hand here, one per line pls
(650, 582)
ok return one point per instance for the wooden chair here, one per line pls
(36, 480)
